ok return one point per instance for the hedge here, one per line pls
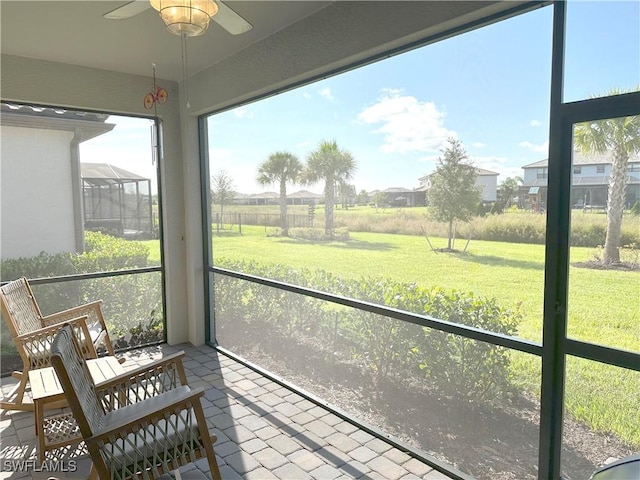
(384, 346)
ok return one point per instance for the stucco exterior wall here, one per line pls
(530, 175)
(489, 184)
(45, 220)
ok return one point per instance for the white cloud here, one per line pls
(243, 112)
(306, 95)
(493, 163)
(542, 148)
(535, 123)
(304, 144)
(408, 125)
(479, 145)
(326, 93)
(509, 172)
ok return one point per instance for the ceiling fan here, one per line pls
(225, 17)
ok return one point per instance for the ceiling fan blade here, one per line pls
(128, 10)
(230, 20)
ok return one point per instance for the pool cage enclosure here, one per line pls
(116, 202)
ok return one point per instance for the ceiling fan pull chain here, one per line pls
(185, 72)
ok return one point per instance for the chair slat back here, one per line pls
(19, 307)
(76, 381)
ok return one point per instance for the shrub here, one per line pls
(132, 304)
(460, 366)
(511, 228)
(588, 234)
(386, 347)
(42, 265)
(105, 253)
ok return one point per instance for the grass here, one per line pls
(515, 225)
(512, 273)
(603, 305)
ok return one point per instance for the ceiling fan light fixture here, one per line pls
(186, 17)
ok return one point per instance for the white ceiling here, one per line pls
(75, 32)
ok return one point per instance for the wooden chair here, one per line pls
(140, 440)
(33, 333)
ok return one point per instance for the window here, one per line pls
(371, 233)
(599, 168)
(634, 167)
(316, 295)
(577, 170)
(77, 182)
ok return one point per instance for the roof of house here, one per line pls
(37, 111)
(583, 159)
(601, 180)
(481, 172)
(264, 195)
(396, 190)
(107, 173)
(538, 182)
(304, 194)
(84, 125)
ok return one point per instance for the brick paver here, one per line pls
(265, 431)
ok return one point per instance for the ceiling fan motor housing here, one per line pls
(186, 17)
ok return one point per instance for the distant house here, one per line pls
(264, 198)
(41, 173)
(486, 179)
(590, 182)
(116, 201)
(401, 197)
(304, 197)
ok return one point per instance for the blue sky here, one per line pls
(489, 88)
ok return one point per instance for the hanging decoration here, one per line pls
(155, 96)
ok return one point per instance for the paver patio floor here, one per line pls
(265, 431)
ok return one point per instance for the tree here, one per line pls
(222, 189)
(333, 165)
(619, 137)
(507, 189)
(347, 193)
(380, 201)
(280, 168)
(453, 194)
(362, 198)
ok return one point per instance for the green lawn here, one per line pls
(510, 272)
(603, 305)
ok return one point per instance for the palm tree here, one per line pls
(620, 137)
(280, 168)
(333, 165)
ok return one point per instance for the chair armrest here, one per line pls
(93, 312)
(143, 382)
(37, 344)
(120, 423)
